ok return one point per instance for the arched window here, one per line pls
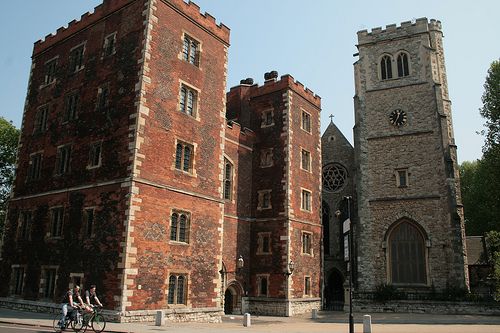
(403, 67)
(386, 67)
(407, 255)
(228, 179)
(179, 227)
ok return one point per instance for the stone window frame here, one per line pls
(386, 246)
(24, 225)
(261, 243)
(304, 152)
(177, 232)
(259, 278)
(266, 158)
(191, 171)
(35, 166)
(50, 70)
(172, 299)
(43, 282)
(95, 147)
(402, 174)
(261, 199)
(305, 200)
(71, 106)
(228, 180)
(306, 241)
(307, 285)
(16, 286)
(75, 58)
(60, 222)
(405, 70)
(86, 233)
(72, 283)
(63, 162)
(305, 121)
(106, 43)
(41, 117)
(186, 57)
(388, 60)
(267, 118)
(195, 113)
(103, 97)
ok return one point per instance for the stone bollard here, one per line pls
(314, 314)
(367, 324)
(247, 322)
(160, 318)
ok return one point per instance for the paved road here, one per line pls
(8, 328)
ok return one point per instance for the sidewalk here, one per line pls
(331, 322)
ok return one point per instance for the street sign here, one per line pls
(347, 225)
(346, 247)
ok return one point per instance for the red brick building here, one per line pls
(132, 175)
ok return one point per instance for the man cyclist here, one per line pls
(70, 304)
(91, 297)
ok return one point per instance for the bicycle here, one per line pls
(94, 319)
(76, 321)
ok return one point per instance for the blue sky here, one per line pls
(314, 41)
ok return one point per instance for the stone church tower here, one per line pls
(411, 229)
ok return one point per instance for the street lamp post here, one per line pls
(350, 266)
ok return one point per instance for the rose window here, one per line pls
(334, 177)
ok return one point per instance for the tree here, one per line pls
(479, 197)
(491, 149)
(9, 136)
(491, 108)
(493, 248)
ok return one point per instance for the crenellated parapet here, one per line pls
(192, 10)
(392, 31)
(188, 9)
(240, 134)
(273, 84)
(87, 19)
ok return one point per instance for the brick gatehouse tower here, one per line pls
(131, 174)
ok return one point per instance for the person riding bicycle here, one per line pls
(91, 297)
(70, 304)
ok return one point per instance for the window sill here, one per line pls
(172, 242)
(308, 132)
(47, 84)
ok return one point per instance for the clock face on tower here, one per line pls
(397, 117)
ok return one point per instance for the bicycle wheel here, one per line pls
(56, 323)
(77, 323)
(98, 323)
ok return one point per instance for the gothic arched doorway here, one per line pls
(334, 291)
(232, 299)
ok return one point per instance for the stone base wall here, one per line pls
(434, 307)
(305, 306)
(205, 315)
(279, 307)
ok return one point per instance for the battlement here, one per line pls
(240, 134)
(206, 20)
(272, 84)
(87, 19)
(392, 31)
(189, 9)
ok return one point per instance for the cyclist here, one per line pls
(70, 304)
(91, 297)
